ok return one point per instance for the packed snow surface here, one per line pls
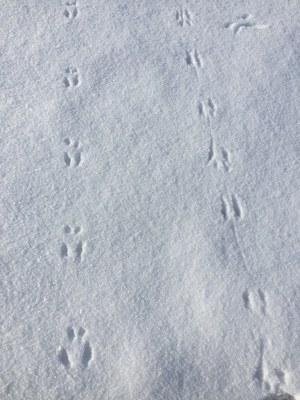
(149, 200)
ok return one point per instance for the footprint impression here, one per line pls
(78, 351)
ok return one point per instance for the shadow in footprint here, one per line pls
(70, 333)
(64, 250)
(87, 354)
(282, 396)
(79, 250)
(63, 358)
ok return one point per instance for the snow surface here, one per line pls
(149, 199)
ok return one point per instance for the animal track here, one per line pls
(72, 78)
(80, 352)
(207, 109)
(259, 374)
(244, 21)
(184, 17)
(71, 10)
(220, 160)
(77, 245)
(255, 300)
(193, 59)
(233, 210)
(269, 378)
(72, 157)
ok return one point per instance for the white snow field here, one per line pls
(149, 200)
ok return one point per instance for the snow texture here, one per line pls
(149, 200)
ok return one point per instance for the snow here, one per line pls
(149, 200)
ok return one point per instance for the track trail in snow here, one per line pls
(122, 242)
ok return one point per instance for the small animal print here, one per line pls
(72, 78)
(72, 156)
(193, 59)
(268, 377)
(71, 10)
(78, 352)
(243, 22)
(77, 246)
(220, 158)
(255, 301)
(207, 109)
(231, 209)
(184, 17)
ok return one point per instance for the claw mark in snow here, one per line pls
(244, 21)
(184, 17)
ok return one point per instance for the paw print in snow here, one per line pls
(72, 78)
(220, 158)
(184, 17)
(231, 208)
(71, 10)
(207, 109)
(243, 22)
(72, 157)
(78, 352)
(77, 246)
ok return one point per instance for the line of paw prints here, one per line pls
(78, 352)
(269, 379)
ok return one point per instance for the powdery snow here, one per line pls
(149, 200)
